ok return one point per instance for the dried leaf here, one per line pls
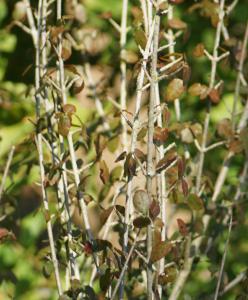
(104, 215)
(66, 49)
(187, 136)
(104, 172)
(214, 96)
(140, 155)
(181, 167)
(236, 146)
(141, 222)
(121, 156)
(130, 57)
(5, 234)
(160, 250)
(169, 276)
(141, 201)
(54, 32)
(165, 162)
(174, 89)
(64, 124)
(182, 227)
(198, 50)
(195, 202)
(78, 85)
(69, 109)
(154, 209)
(130, 166)
(160, 135)
(185, 187)
(177, 24)
(224, 128)
(198, 89)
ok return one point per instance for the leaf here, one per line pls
(174, 89)
(141, 222)
(69, 109)
(198, 89)
(182, 227)
(113, 144)
(5, 235)
(64, 124)
(236, 146)
(224, 128)
(187, 136)
(160, 135)
(196, 129)
(141, 134)
(198, 50)
(177, 24)
(169, 276)
(104, 172)
(166, 116)
(140, 155)
(185, 188)
(195, 202)
(140, 37)
(66, 49)
(105, 214)
(160, 250)
(78, 85)
(130, 166)
(165, 162)
(129, 57)
(19, 12)
(105, 280)
(154, 209)
(181, 167)
(54, 32)
(115, 174)
(141, 201)
(214, 96)
(121, 156)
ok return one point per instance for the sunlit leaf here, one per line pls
(160, 250)
(141, 201)
(174, 89)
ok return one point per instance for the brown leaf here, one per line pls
(121, 156)
(177, 24)
(104, 172)
(66, 49)
(140, 155)
(165, 162)
(174, 89)
(236, 146)
(181, 167)
(141, 222)
(130, 57)
(198, 89)
(185, 187)
(214, 96)
(169, 275)
(154, 209)
(130, 166)
(198, 50)
(104, 215)
(182, 227)
(160, 135)
(141, 201)
(54, 33)
(159, 251)
(69, 109)
(224, 128)
(5, 234)
(64, 124)
(78, 85)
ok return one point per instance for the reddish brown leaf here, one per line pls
(181, 167)
(140, 155)
(130, 166)
(185, 187)
(214, 96)
(182, 227)
(165, 162)
(69, 109)
(160, 135)
(5, 234)
(154, 209)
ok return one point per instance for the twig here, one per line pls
(6, 171)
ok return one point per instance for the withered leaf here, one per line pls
(181, 167)
(198, 50)
(224, 128)
(165, 162)
(5, 234)
(78, 85)
(169, 275)
(104, 172)
(198, 89)
(154, 209)
(54, 32)
(130, 166)
(66, 49)
(141, 222)
(182, 227)
(214, 96)
(174, 89)
(69, 109)
(64, 124)
(177, 24)
(185, 187)
(121, 156)
(160, 250)
(160, 135)
(236, 146)
(105, 214)
(139, 155)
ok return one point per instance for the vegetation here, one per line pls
(123, 149)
